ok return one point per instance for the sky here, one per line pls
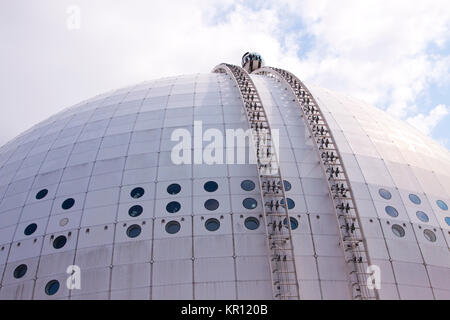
(394, 55)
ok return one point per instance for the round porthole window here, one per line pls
(136, 193)
(133, 231)
(250, 203)
(30, 229)
(287, 185)
(422, 216)
(173, 227)
(441, 204)
(68, 203)
(385, 194)
(398, 230)
(173, 207)
(294, 223)
(211, 204)
(251, 223)
(212, 224)
(20, 271)
(429, 235)
(135, 211)
(41, 194)
(248, 185)
(174, 188)
(52, 287)
(291, 203)
(414, 199)
(391, 211)
(447, 220)
(211, 186)
(59, 242)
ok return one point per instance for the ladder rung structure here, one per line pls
(276, 216)
(352, 238)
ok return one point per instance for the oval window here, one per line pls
(133, 231)
(212, 224)
(294, 223)
(59, 242)
(135, 211)
(422, 216)
(68, 203)
(385, 194)
(41, 194)
(429, 235)
(52, 287)
(250, 203)
(212, 204)
(441, 204)
(447, 220)
(291, 203)
(174, 188)
(248, 185)
(30, 229)
(398, 230)
(251, 223)
(136, 193)
(210, 186)
(287, 185)
(173, 207)
(414, 199)
(173, 227)
(391, 211)
(20, 271)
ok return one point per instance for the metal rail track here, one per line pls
(352, 240)
(275, 206)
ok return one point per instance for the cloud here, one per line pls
(119, 43)
(376, 50)
(426, 122)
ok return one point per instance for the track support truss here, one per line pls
(275, 210)
(352, 240)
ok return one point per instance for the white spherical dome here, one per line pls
(95, 187)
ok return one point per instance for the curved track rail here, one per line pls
(275, 210)
(352, 240)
